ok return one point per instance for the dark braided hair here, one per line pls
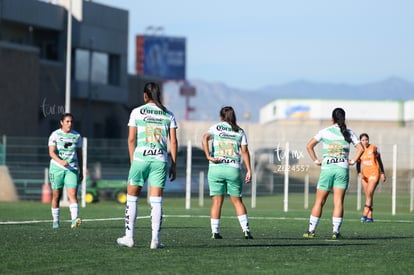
(154, 93)
(228, 115)
(338, 116)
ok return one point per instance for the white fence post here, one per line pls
(272, 174)
(358, 193)
(254, 181)
(84, 169)
(412, 195)
(394, 178)
(412, 169)
(306, 195)
(201, 189)
(286, 184)
(188, 177)
(46, 175)
(64, 201)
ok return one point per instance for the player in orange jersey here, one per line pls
(370, 169)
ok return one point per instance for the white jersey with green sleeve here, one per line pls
(335, 147)
(153, 126)
(66, 145)
(226, 145)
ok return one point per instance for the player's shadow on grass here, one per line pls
(380, 238)
(317, 242)
(307, 244)
(346, 238)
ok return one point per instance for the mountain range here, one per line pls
(210, 97)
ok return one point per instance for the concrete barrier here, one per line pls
(7, 188)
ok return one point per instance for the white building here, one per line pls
(358, 111)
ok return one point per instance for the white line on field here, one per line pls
(197, 216)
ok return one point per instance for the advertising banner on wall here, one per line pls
(161, 56)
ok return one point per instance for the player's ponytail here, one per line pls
(153, 92)
(338, 116)
(228, 115)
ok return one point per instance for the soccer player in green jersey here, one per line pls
(334, 176)
(151, 126)
(65, 151)
(229, 146)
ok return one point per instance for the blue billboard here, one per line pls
(160, 56)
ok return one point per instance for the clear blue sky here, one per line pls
(251, 44)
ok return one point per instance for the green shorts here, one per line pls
(225, 180)
(60, 177)
(333, 177)
(155, 172)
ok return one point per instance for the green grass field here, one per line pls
(29, 245)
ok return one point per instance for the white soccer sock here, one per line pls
(131, 210)
(244, 222)
(55, 214)
(313, 223)
(73, 208)
(156, 216)
(215, 225)
(336, 223)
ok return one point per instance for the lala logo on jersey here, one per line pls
(152, 152)
(335, 160)
(226, 160)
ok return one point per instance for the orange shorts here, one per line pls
(371, 178)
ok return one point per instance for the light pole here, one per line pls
(68, 58)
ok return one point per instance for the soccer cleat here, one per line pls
(363, 218)
(216, 236)
(335, 235)
(156, 245)
(125, 241)
(368, 220)
(309, 235)
(75, 223)
(55, 225)
(247, 235)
